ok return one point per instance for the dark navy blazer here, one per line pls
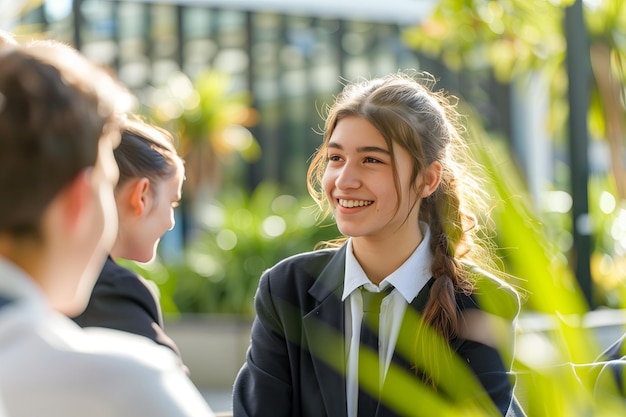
(123, 300)
(295, 365)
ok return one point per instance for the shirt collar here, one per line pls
(408, 279)
(354, 276)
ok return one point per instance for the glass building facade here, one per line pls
(292, 60)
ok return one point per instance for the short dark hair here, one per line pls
(55, 106)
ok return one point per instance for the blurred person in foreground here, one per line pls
(58, 128)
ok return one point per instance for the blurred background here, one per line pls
(244, 84)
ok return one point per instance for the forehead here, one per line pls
(358, 132)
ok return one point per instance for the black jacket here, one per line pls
(295, 364)
(123, 300)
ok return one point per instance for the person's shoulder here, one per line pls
(113, 272)
(57, 346)
(113, 347)
(491, 294)
(307, 259)
(99, 367)
(102, 346)
(115, 277)
(108, 352)
(306, 263)
(297, 273)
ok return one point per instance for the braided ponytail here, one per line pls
(425, 123)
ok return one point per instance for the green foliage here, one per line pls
(517, 38)
(608, 264)
(510, 36)
(521, 237)
(211, 122)
(204, 111)
(556, 375)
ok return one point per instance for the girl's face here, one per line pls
(141, 238)
(359, 184)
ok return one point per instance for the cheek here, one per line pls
(166, 216)
(170, 218)
(328, 181)
(408, 200)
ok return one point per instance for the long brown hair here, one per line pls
(408, 113)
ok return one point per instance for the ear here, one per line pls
(139, 196)
(432, 178)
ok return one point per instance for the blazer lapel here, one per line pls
(324, 332)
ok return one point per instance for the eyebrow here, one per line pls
(360, 149)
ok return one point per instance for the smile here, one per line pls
(354, 203)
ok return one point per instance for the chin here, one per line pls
(349, 231)
(144, 258)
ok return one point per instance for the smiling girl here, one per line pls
(151, 178)
(391, 171)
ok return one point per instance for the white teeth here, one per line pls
(354, 203)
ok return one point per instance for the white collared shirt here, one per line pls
(408, 280)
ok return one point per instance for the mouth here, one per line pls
(353, 203)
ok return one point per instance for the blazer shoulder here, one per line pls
(294, 277)
(112, 273)
(306, 263)
(491, 294)
(115, 274)
(119, 284)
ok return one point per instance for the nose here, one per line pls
(347, 177)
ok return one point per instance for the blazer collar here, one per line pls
(332, 276)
